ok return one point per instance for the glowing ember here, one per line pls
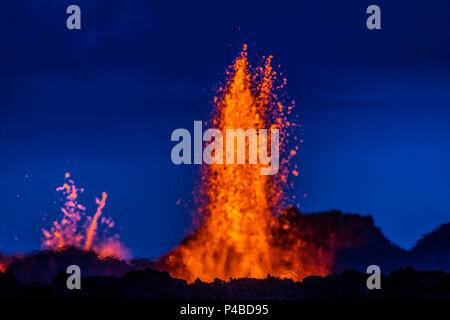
(238, 233)
(81, 231)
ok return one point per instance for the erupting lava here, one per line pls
(239, 232)
(72, 231)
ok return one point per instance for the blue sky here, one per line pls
(102, 102)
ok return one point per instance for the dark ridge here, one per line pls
(352, 240)
(355, 242)
(150, 284)
(435, 241)
(43, 265)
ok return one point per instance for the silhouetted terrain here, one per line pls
(150, 284)
(353, 241)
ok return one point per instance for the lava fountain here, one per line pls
(236, 235)
(76, 229)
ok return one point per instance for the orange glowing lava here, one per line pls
(78, 230)
(239, 234)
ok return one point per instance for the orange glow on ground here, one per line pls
(237, 217)
(3, 267)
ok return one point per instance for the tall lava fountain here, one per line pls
(236, 234)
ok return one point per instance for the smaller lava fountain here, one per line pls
(76, 229)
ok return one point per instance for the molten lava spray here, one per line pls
(239, 205)
(78, 230)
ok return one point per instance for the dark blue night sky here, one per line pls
(102, 102)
